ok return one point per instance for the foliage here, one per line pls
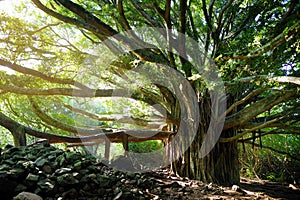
(145, 147)
(263, 163)
(6, 137)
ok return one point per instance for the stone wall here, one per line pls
(53, 173)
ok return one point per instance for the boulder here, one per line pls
(27, 196)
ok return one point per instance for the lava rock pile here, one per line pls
(56, 174)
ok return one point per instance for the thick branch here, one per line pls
(124, 21)
(115, 118)
(99, 138)
(246, 98)
(88, 17)
(137, 95)
(66, 127)
(256, 108)
(273, 132)
(58, 91)
(206, 15)
(279, 79)
(32, 72)
(264, 125)
(65, 18)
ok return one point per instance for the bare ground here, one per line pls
(173, 187)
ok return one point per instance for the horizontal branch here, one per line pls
(287, 116)
(264, 125)
(257, 108)
(58, 91)
(133, 136)
(246, 98)
(116, 117)
(279, 79)
(273, 132)
(88, 93)
(58, 124)
(32, 72)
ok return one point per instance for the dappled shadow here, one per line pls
(272, 189)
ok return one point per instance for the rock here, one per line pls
(235, 187)
(67, 179)
(4, 167)
(78, 165)
(101, 191)
(131, 175)
(134, 190)
(92, 168)
(53, 174)
(47, 169)
(63, 170)
(28, 164)
(40, 162)
(46, 185)
(18, 157)
(32, 177)
(92, 176)
(20, 188)
(31, 156)
(9, 162)
(72, 156)
(77, 175)
(118, 196)
(8, 146)
(53, 155)
(70, 194)
(130, 181)
(11, 149)
(27, 196)
(17, 173)
(60, 160)
(38, 191)
(86, 187)
(123, 163)
(104, 181)
(83, 171)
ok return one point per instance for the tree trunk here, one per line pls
(220, 166)
(19, 136)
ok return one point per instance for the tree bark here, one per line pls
(220, 166)
(19, 136)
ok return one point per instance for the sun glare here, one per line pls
(8, 5)
(9, 8)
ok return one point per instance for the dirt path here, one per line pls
(271, 189)
(172, 187)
